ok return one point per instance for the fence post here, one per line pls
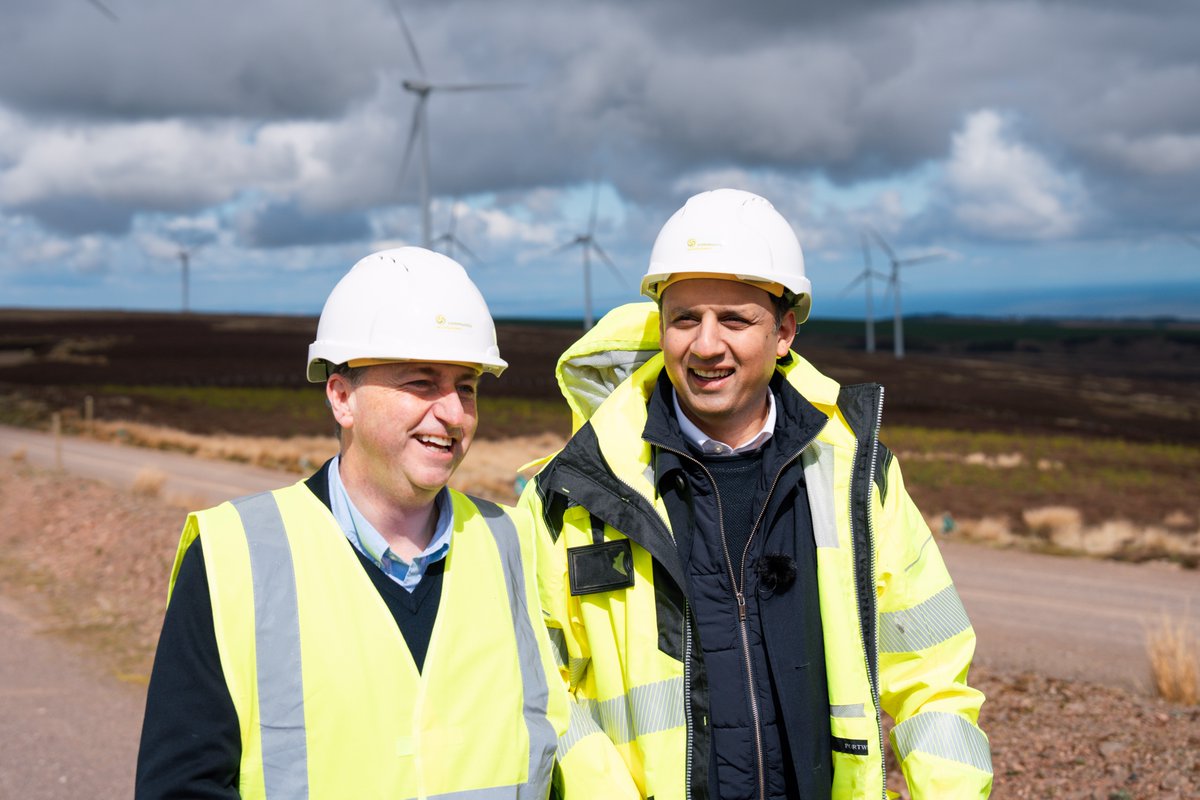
(56, 430)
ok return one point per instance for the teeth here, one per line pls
(440, 441)
(713, 373)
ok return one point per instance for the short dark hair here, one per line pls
(782, 304)
(353, 374)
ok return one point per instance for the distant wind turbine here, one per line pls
(422, 88)
(865, 277)
(450, 238)
(894, 284)
(185, 256)
(587, 244)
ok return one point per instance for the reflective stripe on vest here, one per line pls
(279, 675)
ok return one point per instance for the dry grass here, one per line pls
(149, 482)
(296, 454)
(1175, 660)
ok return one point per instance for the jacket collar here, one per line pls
(797, 423)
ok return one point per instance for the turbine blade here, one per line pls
(887, 248)
(105, 10)
(463, 246)
(866, 250)
(862, 276)
(1192, 240)
(408, 37)
(595, 204)
(604, 257)
(908, 262)
(413, 131)
(474, 87)
(563, 247)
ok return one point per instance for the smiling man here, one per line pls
(785, 592)
(367, 632)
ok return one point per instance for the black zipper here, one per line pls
(740, 596)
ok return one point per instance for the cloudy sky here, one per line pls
(1047, 152)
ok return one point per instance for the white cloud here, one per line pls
(1003, 188)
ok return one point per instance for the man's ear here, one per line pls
(786, 333)
(340, 394)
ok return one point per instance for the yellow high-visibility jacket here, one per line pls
(329, 700)
(897, 639)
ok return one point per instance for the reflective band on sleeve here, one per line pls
(277, 643)
(948, 736)
(542, 737)
(580, 725)
(644, 710)
(817, 459)
(924, 625)
(559, 640)
(850, 711)
(575, 669)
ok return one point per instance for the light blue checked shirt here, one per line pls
(370, 542)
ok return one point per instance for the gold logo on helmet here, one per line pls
(449, 325)
(692, 244)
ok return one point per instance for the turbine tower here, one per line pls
(450, 238)
(894, 284)
(185, 261)
(865, 277)
(422, 88)
(588, 244)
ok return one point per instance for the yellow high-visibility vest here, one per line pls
(329, 700)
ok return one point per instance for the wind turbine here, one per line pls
(894, 284)
(184, 263)
(865, 277)
(422, 88)
(450, 238)
(588, 244)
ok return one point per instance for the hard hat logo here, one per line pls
(694, 245)
(449, 325)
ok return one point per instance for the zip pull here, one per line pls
(741, 601)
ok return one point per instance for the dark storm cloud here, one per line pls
(288, 225)
(76, 216)
(643, 93)
(267, 59)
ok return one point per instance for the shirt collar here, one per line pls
(714, 447)
(370, 542)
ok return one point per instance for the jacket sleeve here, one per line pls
(926, 644)
(587, 763)
(191, 741)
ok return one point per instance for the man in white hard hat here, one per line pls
(735, 579)
(367, 632)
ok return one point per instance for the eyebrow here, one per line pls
(433, 372)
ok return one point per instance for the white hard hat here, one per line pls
(408, 304)
(731, 234)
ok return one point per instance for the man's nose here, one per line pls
(708, 343)
(449, 409)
